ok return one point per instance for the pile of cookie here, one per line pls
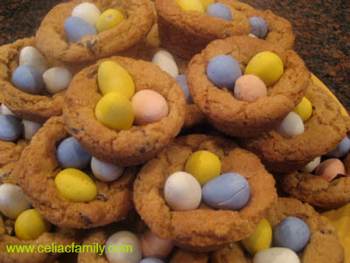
(186, 130)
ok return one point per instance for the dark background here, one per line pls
(322, 28)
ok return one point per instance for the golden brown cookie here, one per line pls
(241, 118)
(183, 256)
(233, 253)
(137, 144)
(323, 131)
(51, 39)
(36, 172)
(203, 228)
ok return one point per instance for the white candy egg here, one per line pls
(57, 79)
(166, 62)
(5, 110)
(311, 166)
(276, 255)
(292, 125)
(182, 191)
(252, 35)
(31, 56)
(30, 128)
(88, 12)
(106, 172)
(13, 201)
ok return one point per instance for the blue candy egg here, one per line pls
(220, 11)
(70, 154)
(11, 128)
(227, 191)
(292, 233)
(342, 148)
(259, 27)
(182, 81)
(223, 71)
(76, 28)
(28, 79)
(151, 260)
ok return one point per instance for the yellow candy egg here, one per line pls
(109, 19)
(112, 77)
(261, 238)
(304, 109)
(266, 65)
(75, 185)
(115, 111)
(206, 3)
(30, 225)
(203, 165)
(191, 5)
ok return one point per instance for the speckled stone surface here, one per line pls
(322, 28)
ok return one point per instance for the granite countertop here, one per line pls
(322, 28)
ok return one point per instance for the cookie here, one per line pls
(52, 41)
(241, 118)
(37, 169)
(137, 144)
(233, 253)
(186, 228)
(183, 256)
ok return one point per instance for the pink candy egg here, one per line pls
(330, 168)
(149, 106)
(154, 246)
(249, 88)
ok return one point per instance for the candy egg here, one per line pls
(258, 26)
(249, 88)
(30, 56)
(228, 191)
(292, 125)
(28, 79)
(122, 239)
(182, 81)
(182, 191)
(30, 225)
(203, 165)
(57, 79)
(76, 28)
(88, 12)
(276, 255)
(12, 200)
(115, 111)
(220, 11)
(149, 106)
(304, 109)
(70, 154)
(311, 166)
(106, 172)
(166, 62)
(4, 110)
(223, 71)
(330, 169)
(11, 128)
(206, 3)
(75, 185)
(342, 148)
(292, 233)
(154, 246)
(191, 5)
(109, 19)
(267, 65)
(151, 260)
(261, 238)
(30, 128)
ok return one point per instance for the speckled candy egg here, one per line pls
(259, 27)
(276, 255)
(182, 81)
(152, 260)
(11, 128)
(88, 12)
(342, 148)
(220, 11)
(28, 79)
(249, 88)
(4, 110)
(292, 125)
(30, 224)
(57, 79)
(30, 56)
(191, 5)
(109, 19)
(166, 62)
(106, 172)
(330, 169)
(154, 246)
(77, 28)
(13, 201)
(311, 166)
(260, 239)
(30, 128)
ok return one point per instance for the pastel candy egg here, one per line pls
(342, 148)
(260, 239)
(292, 125)
(119, 239)
(151, 260)
(4, 110)
(182, 81)
(166, 62)
(304, 109)
(203, 165)
(30, 56)
(206, 3)
(77, 28)
(182, 191)
(292, 233)
(115, 111)
(30, 128)
(75, 185)
(106, 172)
(11, 128)
(57, 79)
(311, 166)
(330, 169)
(276, 255)
(28, 79)
(30, 225)
(191, 5)
(109, 19)
(88, 12)
(149, 106)
(13, 201)
(267, 65)
(228, 191)
(249, 88)
(220, 11)
(70, 154)
(223, 71)
(154, 246)
(258, 26)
